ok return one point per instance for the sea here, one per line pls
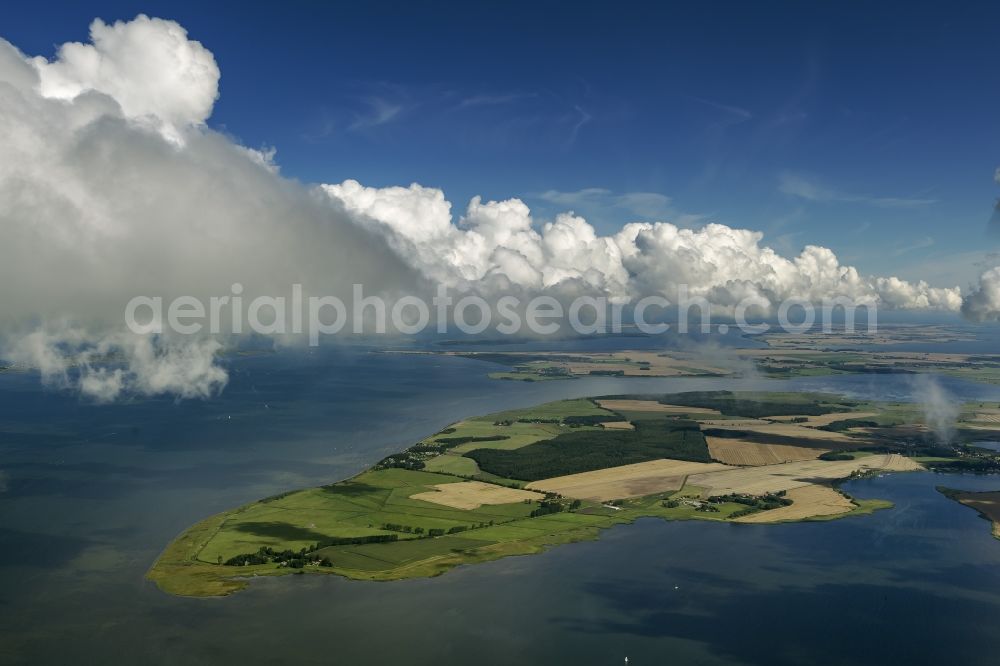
(90, 494)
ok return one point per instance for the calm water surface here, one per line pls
(91, 494)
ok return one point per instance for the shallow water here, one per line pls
(92, 493)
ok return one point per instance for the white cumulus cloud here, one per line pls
(723, 264)
(147, 65)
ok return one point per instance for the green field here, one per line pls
(573, 452)
(355, 508)
(452, 464)
(519, 427)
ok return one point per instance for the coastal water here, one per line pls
(90, 494)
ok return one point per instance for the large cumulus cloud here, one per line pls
(111, 187)
(717, 262)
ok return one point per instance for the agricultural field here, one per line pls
(452, 464)
(813, 353)
(626, 481)
(886, 335)
(574, 452)
(544, 366)
(810, 501)
(807, 362)
(820, 420)
(470, 495)
(742, 452)
(521, 481)
(782, 432)
(618, 425)
(652, 406)
(786, 476)
(515, 429)
(359, 507)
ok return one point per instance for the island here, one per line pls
(784, 356)
(519, 482)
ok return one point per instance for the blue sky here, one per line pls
(873, 131)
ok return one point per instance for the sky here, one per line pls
(865, 129)
(745, 154)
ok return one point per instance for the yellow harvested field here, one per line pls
(793, 430)
(652, 406)
(786, 476)
(988, 417)
(473, 494)
(655, 476)
(807, 502)
(988, 427)
(617, 425)
(742, 452)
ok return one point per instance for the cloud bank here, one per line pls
(112, 186)
(498, 246)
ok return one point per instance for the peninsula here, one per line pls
(518, 482)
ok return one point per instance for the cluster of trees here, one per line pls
(352, 541)
(841, 426)
(546, 507)
(976, 465)
(763, 502)
(553, 504)
(432, 532)
(583, 451)
(456, 441)
(552, 371)
(439, 531)
(289, 558)
(835, 455)
(726, 434)
(395, 527)
(753, 503)
(590, 419)
(404, 460)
